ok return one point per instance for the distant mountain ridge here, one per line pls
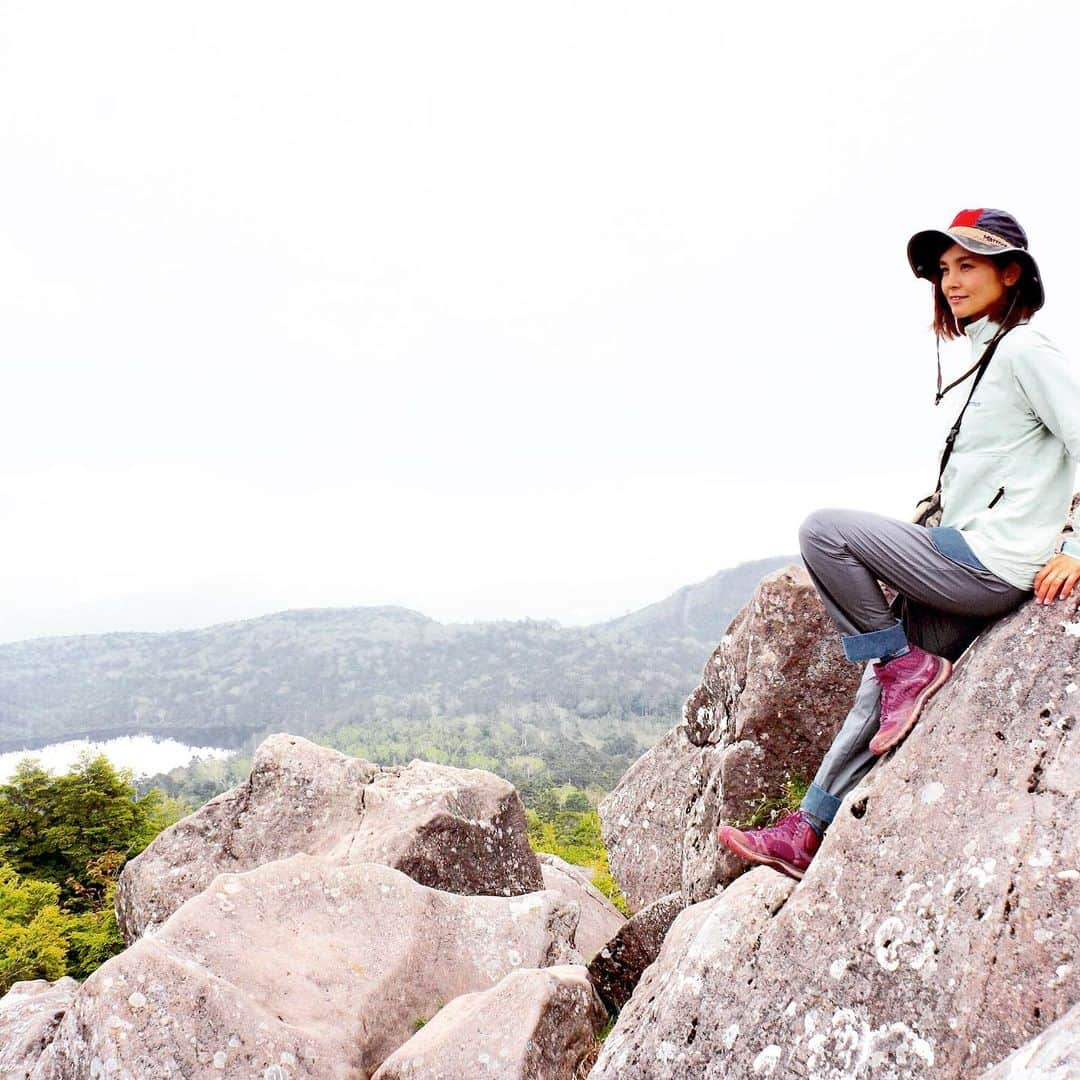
(386, 681)
(697, 610)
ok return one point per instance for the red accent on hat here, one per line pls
(967, 217)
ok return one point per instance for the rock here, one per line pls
(937, 929)
(462, 830)
(305, 967)
(29, 1015)
(600, 918)
(773, 695)
(657, 1033)
(644, 818)
(616, 969)
(1052, 1055)
(533, 1025)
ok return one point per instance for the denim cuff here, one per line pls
(878, 644)
(1071, 547)
(820, 803)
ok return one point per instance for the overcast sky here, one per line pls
(491, 310)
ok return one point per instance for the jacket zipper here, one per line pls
(994, 501)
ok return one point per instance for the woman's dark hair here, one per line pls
(1018, 305)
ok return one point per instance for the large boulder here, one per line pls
(532, 1025)
(1052, 1055)
(644, 818)
(938, 927)
(600, 919)
(667, 1030)
(617, 968)
(462, 830)
(30, 1013)
(772, 697)
(301, 968)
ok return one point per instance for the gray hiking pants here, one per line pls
(945, 598)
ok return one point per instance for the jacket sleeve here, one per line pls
(1051, 384)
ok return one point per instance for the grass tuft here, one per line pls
(769, 809)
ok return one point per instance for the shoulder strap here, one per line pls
(979, 370)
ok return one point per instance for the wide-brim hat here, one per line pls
(984, 232)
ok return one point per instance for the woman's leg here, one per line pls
(945, 596)
(848, 759)
(846, 553)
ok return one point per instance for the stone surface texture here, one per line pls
(462, 830)
(643, 819)
(305, 967)
(1052, 1055)
(938, 928)
(772, 697)
(600, 919)
(29, 1015)
(532, 1025)
(617, 968)
(664, 1031)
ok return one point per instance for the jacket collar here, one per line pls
(981, 331)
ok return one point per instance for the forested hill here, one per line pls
(524, 698)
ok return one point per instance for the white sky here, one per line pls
(487, 309)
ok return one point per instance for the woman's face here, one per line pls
(974, 285)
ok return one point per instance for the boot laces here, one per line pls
(789, 824)
(888, 697)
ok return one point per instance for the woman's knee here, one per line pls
(820, 530)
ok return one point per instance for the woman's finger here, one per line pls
(1070, 584)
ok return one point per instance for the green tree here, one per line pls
(63, 843)
(32, 930)
(93, 935)
(52, 828)
(576, 838)
(578, 801)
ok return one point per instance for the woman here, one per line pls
(1005, 490)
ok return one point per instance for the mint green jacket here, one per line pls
(1009, 482)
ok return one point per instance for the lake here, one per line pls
(143, 754)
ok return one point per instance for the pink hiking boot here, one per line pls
(788, 846)
(907, 684)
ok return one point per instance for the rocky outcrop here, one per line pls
(600, 919)
(1052, 1055)
(30, 1013)
(462, 830)
(938, 927)
(773, 695)
(708, 945)
(644, 818)
(532, 1025)
(617, 968)
(306, 966)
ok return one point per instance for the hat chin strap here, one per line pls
(974, 367)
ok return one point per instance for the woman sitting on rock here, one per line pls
(1003, 496)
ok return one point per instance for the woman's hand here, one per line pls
(1057, 579)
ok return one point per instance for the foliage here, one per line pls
(93, 935)
(575, 836)
(32, 930)
(63, 842)
(53, 827)
(768, 809)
